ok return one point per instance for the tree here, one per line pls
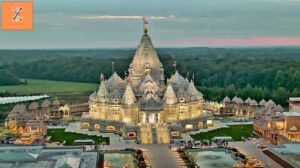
(230, 91)
(247, 92)
(281, 96)
(280, 79)
(7, 78)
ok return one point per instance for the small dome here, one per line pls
(270, 103)
(226, 100)
(56, 103)
(248, 101)
(19, 107)
(262, 102)
(235, 99)
(279, 108)
(46, 103)
(240, 101)
(114, 82)
(178, 82)
(33, 106)
(253, 103)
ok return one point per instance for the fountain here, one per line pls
(212, 158)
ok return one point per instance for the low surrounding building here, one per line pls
(238, 107)
(39, 156)
(35, 132)
(20, 115)
(276, 126)
(286, 155)
(77, 110)
(29, 122)
(294, 104)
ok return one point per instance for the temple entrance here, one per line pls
(149, 117)
(189, 127)
(110, 128)
(85, 125)
(152, 118)
(97, 127)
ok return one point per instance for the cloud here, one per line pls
(111, 17)
(251, 41)
(58, 24)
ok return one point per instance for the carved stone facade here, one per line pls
(143, 97)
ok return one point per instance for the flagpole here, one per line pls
(112, 67)
(174, 66)
(144, 24)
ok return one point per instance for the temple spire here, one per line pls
(194, 92)
(129, 97)
(102, 92)
(101, 77)
(170, 96)
(175, 66)
(145, 22)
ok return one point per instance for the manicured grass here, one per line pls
(234, 131)
(47, 86)
(59, 135)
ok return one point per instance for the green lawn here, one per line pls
(46, 86)
(234, 131)
(61, 135)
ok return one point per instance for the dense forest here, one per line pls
(247, 72)
(7, 78)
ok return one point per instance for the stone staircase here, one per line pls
(163, 134)
(145, 134)
(154, 135)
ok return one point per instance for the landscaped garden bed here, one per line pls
(59, 135)
(234, 131)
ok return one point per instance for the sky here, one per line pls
(172, 23)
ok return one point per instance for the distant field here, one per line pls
(46, 86)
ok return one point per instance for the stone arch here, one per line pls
(97, 127)
(85, 125)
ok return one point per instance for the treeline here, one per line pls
(79, 69)
(279, 95)
(269, 73)
(7, 78)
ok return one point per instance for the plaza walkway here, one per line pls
(251, 148)
(160, 156)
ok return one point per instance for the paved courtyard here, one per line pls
(159, 155)
(251, 148)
